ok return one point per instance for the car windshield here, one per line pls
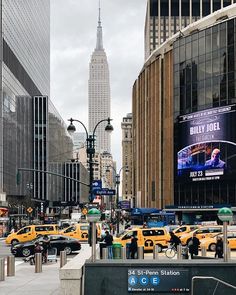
(120, 234)
(215, 235)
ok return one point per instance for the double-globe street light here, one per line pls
(90, 148)
(117, 176)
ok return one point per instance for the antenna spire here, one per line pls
(99, 14)
(99, 45)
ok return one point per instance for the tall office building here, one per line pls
(164, 18)
(32, 133)
(99, 93)
(127, 154)
(24, 72)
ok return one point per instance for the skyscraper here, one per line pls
(32, 132)
(24, 72)
(127, 153)
(164, 18)
(99, 93)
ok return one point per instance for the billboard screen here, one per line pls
(207, 145)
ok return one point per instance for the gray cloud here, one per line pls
(73, 39)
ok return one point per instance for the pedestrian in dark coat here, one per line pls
(174, 240)
(219, 248)
(108, 239)
(193, 245)
(133, 247)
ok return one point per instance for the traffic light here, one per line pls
(18, 178)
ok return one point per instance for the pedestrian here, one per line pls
(174, 240)
(108, 239)
(37, 248)
(46, 245)
(145, 225)
(193, 245)
(133, 248)
(219, 248)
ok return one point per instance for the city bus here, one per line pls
(160, 219)
(152, 217)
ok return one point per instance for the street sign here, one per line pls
(97, 185)
(106, 192)
(124, 204)
(146, 280)
(225, 214)
(84, 211)
(29, 210)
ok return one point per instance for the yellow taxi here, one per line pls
(30, 232)
(80, 231)
(147, 237)
(183, 229)
(201, 233)
(210, 243)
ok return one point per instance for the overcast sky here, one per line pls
(73, 39)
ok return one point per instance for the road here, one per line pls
(5, 250)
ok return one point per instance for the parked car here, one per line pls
(210, 243)
(201, 233)
(61, 243)
(184, 229)
(30, 232)
(80, 231)
(147, 237)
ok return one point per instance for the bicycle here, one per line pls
(171, 251)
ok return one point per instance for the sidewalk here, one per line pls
(27, 282)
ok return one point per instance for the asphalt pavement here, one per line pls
(27, 282)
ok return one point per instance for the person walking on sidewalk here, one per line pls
(133, 248)
(219, 248)
(108, 239)
(193, 245)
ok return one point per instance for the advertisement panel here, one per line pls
(207, 145)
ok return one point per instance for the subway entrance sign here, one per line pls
(158, 280)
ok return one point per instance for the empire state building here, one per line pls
(99, 93)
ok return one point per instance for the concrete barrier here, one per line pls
(10, 266)
(71, 274)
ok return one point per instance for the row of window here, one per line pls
(207, 78)
(185, 7)
(207, 193)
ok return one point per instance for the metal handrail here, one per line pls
(211, 278)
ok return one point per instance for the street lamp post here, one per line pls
(117, 176)
(225, 215)
(90, 149)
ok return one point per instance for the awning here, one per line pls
(143, 211)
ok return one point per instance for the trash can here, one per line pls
(101, 246)
(116, 247)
